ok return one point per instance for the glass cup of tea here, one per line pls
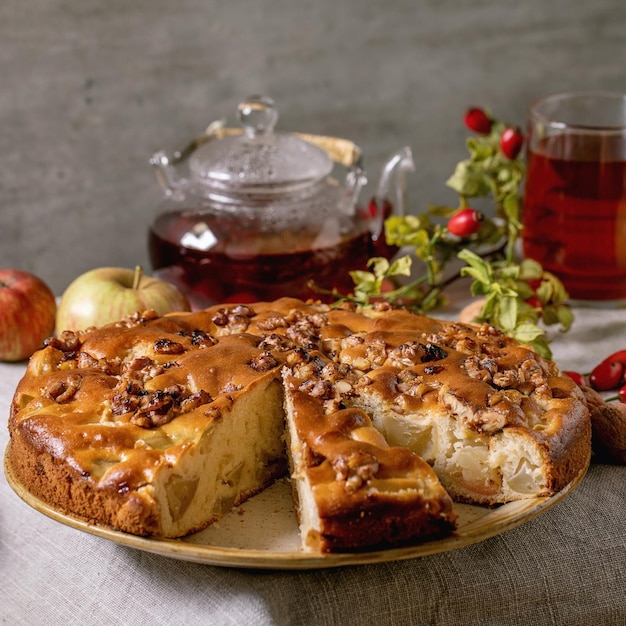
(574, 211)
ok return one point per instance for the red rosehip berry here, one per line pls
(478, 121)
(619, 356)
(606, 375)
(465, 222)
(511, 142)
(579, 379)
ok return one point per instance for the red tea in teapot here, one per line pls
(253, 214)
(211, 265)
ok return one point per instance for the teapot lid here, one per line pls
(259, 159)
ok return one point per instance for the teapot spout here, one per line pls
(391, 196)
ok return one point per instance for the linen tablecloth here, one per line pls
(566, 566)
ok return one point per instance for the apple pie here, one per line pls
(158, 426)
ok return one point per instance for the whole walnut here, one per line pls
(608, 428)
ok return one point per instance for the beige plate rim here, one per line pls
(493, 522)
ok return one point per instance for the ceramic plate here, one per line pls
(262, 533)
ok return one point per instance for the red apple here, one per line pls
(109, 294)
(27, 312)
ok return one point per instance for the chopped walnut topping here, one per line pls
(331, 405)
(63, 390)
(507, 378)
(490, 331)
(151, 408)
(343, 387)
(243, 309)
(355, 469)
(236, 319)
(334, 371)
(306, 368)
(356, 362)
(351, 341)
(124, 402)
(137, 318)
(142, 369)
(376, 352)
(68, 341)
(195, 400)
(303, 329)
(480, 368)
(318, 388)
(272, 323)
(331, 346)
(470, 339)
(158, 407)
(304, 336)
(264, 362)
(155, 408)
(531, 370)
(406, 354)
(466, 345)
(300, 357)
(199, 338)
(167, 346)
(138, 364)
(86, 361)
(501, 409)
(414, 352)
(221, 317)
(318, 320)
(412, 384)
(364, 381)
(276, 342)
(293, 316)
(406, 377)
(527, 376)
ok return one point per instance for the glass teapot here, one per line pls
(251, 214)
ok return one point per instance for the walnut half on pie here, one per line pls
(158, 426)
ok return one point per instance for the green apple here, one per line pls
(109, 294)
(27, 311)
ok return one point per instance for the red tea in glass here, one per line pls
(575, 199)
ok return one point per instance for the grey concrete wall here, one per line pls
(91, 88)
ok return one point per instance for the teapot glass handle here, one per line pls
(392, 182)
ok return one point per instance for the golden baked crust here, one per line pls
(158, 426)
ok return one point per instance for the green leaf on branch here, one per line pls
(479, 149)
(527, 332)
(469, 180)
